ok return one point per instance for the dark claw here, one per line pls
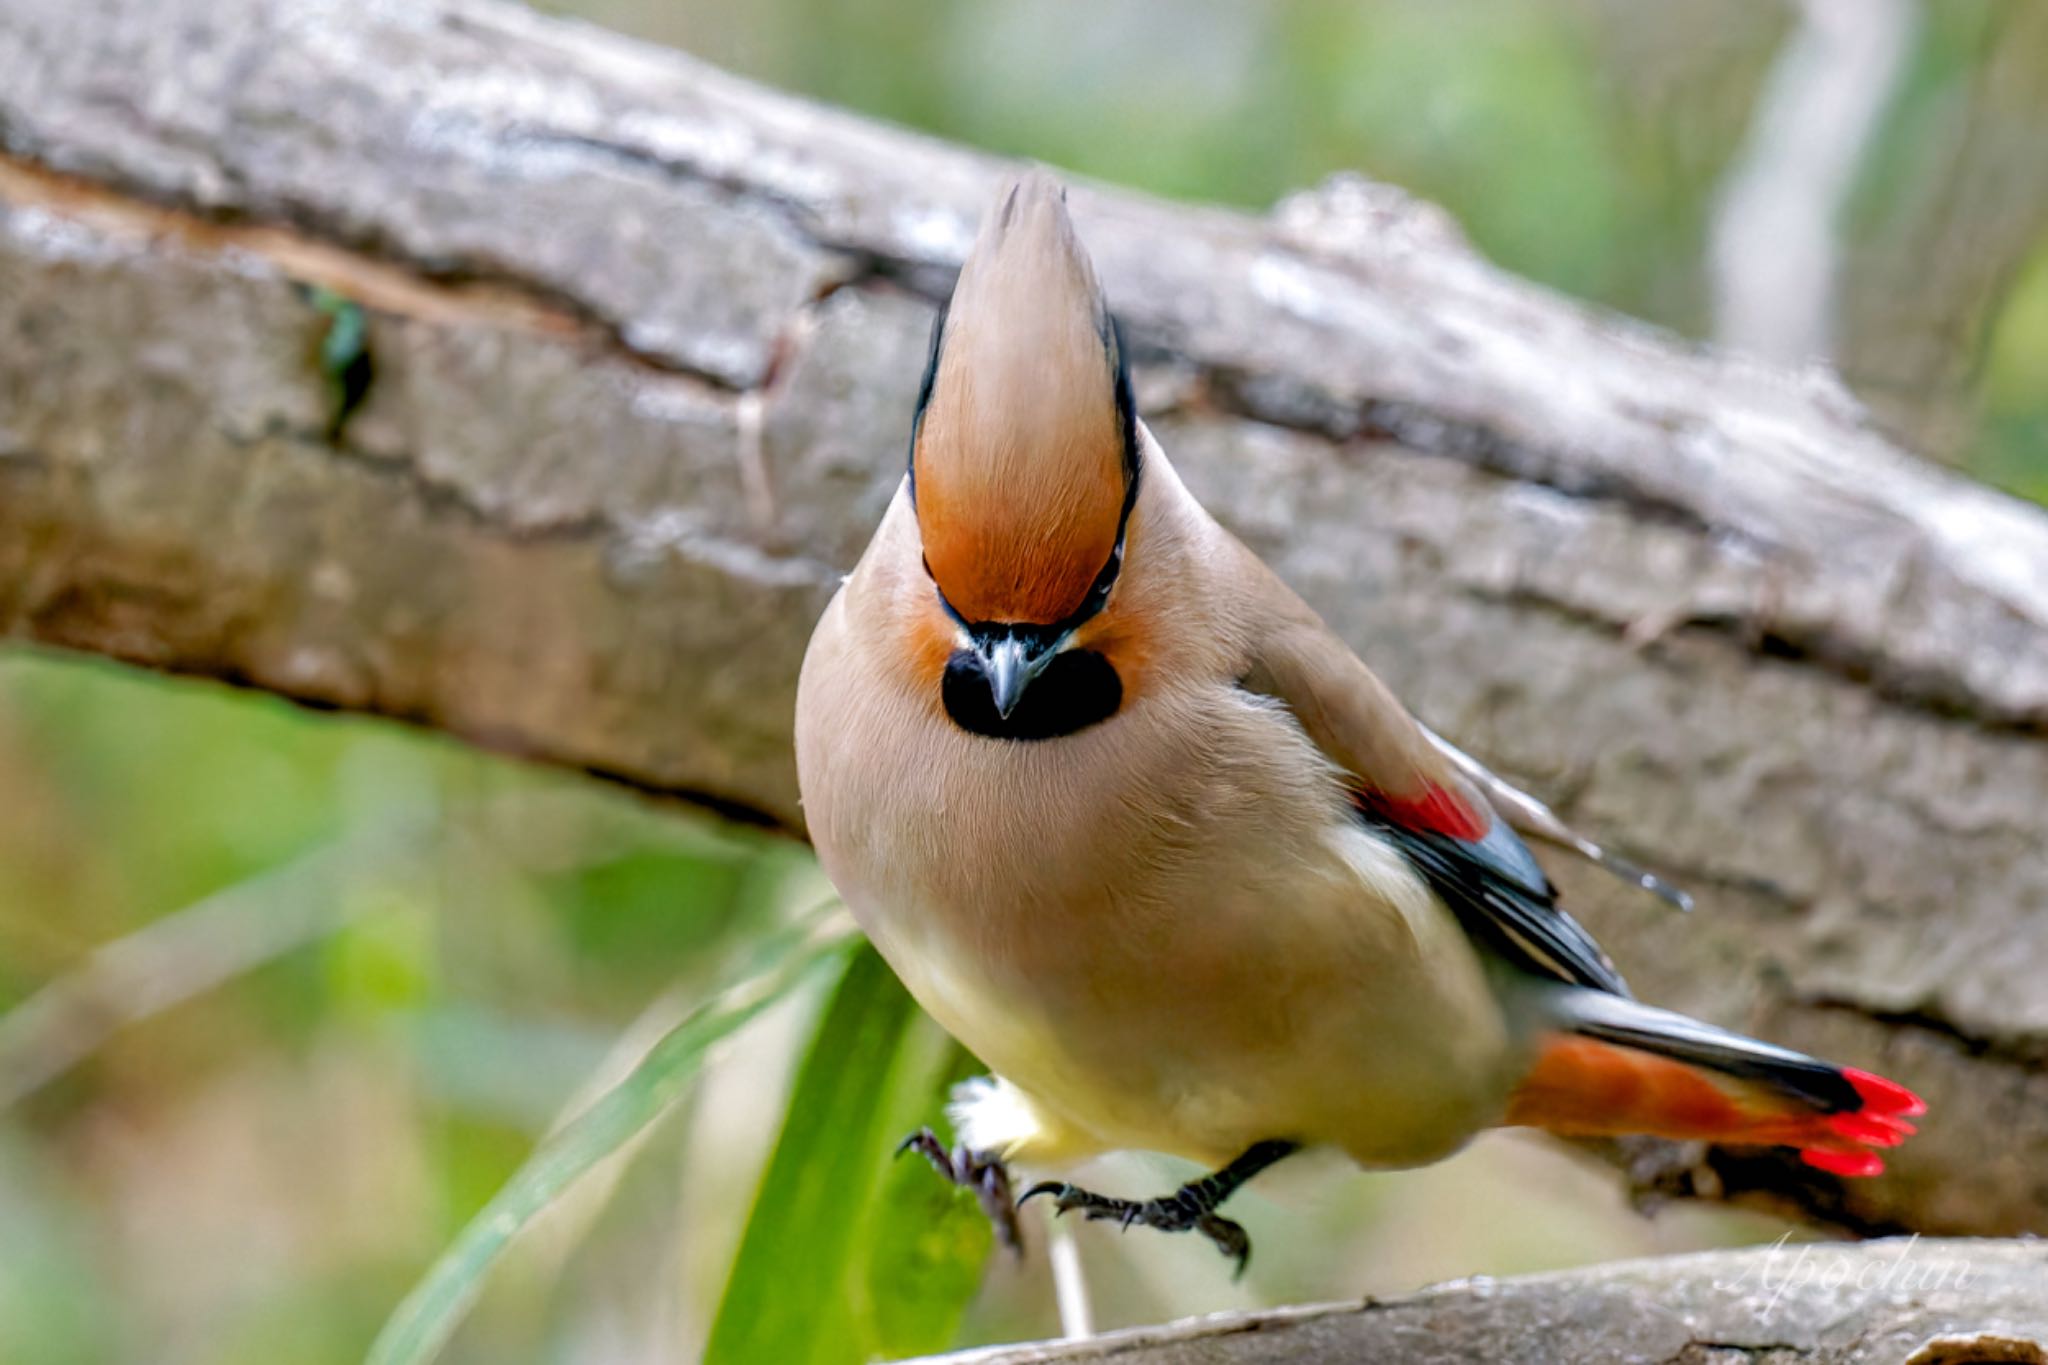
(1230, 1238)
(1059, 1190)
(979, 1172)
(1099, 1207)
(1191, 1208)
(1170, 1214)
(926, 1142)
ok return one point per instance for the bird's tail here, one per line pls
(1613, 1066)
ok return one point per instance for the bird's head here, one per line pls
(1024, 471)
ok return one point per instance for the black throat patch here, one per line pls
(1079, 688)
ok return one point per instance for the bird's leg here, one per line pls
(981, 1172)
(1191, 1208)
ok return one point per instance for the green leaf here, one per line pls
(422, 1324)
(926, 1241)
(847, 1256)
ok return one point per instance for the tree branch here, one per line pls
(1917, 1302)
(641, 348)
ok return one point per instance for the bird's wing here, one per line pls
(1531, 817)
(1502, 899)
(1412, 790)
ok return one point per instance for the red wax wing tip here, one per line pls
(1438, 810)
(1879, 1130)
(1844, 1163)
(1883, 1096)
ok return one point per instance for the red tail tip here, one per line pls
(1881, 1096)
(1879, 1130)
(1881, 1122)
(1844, 1163)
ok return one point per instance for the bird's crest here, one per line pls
(1023, 453)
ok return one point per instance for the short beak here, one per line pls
(1008, 674)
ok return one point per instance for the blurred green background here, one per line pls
(326, 982)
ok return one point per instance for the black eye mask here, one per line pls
(1078, 688)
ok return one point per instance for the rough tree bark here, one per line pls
(1880, 1303)
(642, 342)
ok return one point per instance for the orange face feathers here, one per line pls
(1022, 449)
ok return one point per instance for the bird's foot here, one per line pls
(1176, 1212)
(981, 1172)
(1191, 1208)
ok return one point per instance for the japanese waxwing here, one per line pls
(1144, 835)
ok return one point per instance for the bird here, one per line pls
(1135, 826)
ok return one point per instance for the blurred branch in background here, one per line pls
(1948, 248)
(1776, 242)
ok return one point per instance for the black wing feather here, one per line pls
(1504, 901)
